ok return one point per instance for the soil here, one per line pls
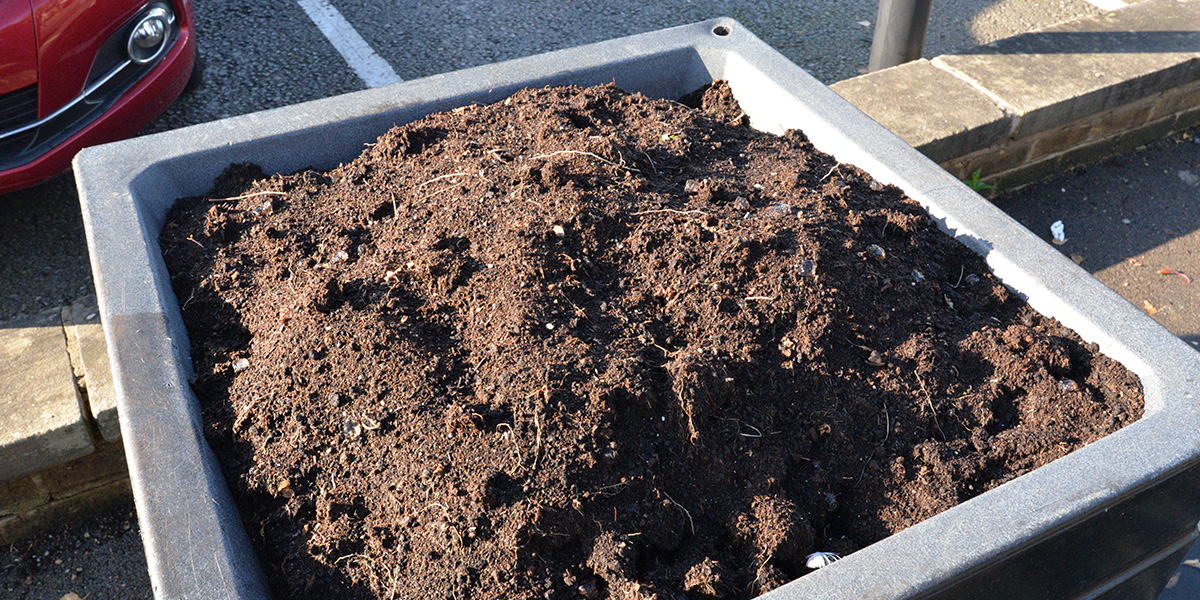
(587, 344)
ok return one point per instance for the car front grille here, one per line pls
(18, 108)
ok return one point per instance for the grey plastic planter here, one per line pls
(1111, 520)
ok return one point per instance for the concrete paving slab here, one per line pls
(1089, 65)
(91, 355)
(934, 111)
(41, 419)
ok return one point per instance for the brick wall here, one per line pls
(1014, 163)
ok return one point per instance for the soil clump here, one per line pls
(587, 344)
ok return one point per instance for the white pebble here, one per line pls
(816, 560)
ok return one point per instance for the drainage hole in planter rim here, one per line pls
(721, 30)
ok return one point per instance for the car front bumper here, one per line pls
(112, 107)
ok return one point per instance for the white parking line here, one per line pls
(370, 67)
(1107, 4)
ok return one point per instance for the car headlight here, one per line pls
(148, 37)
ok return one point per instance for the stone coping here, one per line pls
(1026, 107)
(60, 440)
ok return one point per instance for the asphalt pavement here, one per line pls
(265, 55)
(43, 254)
(1133, 222)
(100, 559)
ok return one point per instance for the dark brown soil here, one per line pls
(588, 344)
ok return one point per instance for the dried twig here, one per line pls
(887, 421)
(669, 210)
(961, 270)
(595, 156)
(537, 442)
(604, 490)
(651, 161)
(757, 432)
(362, 557)
(437, 505)
(439, 178)
(685, 511)
(244, 196)
(932, 410)
(511, 436)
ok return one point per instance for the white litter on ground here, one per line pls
(1058, 230)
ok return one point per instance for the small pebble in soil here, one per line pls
(831, 501)
(588, 590)
(781, 209)
(240, 365)
(352, 428)
(877, 253)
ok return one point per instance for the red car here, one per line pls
(76, 74)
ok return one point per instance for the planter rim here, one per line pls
(176, 479)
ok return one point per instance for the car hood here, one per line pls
(18, 46)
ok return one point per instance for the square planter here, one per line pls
(1111, 520)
